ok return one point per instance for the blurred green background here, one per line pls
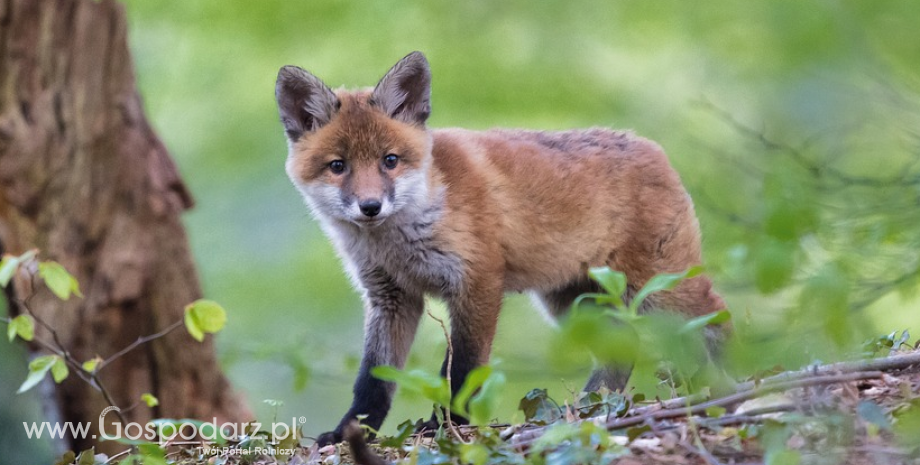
(794, 125)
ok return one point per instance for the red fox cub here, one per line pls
(469, 215)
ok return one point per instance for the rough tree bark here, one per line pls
(84, 179)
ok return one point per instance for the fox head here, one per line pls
(358, 157)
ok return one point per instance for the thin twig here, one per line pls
(138, 342)
(64, 353)
(450, 361)
(880, 364)
(651, 415)
(814, 169)
(116, 456)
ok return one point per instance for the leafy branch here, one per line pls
(200, 317)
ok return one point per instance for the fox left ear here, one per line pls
(404, 93)
(305, 103)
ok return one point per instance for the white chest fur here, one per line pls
(406, 247)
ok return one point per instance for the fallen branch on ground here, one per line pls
(685, 407)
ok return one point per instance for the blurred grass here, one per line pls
(835, 71)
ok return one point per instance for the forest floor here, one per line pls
(865, 412)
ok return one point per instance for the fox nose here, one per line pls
(370, 208)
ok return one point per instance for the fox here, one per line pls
(467, 216)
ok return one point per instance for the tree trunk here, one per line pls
(84, 179)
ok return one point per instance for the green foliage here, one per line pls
(885, 344)
(907, 425)
(22, 326)
(61, 282)
(432, 387)
(147, 454)
(9, 264)
(539, 408)
(614, 285)
(873, 414)
(587, 335)
(149, 399)
(91, 365)
(204, 316)
(482, 404)
(40, 366)
(568, 444)
(658, 283)
(613, 337)
(477, 398)
(88, 457)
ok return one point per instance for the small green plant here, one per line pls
(200, 317)
(477, 399)
(613, 332)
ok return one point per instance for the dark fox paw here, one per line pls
(427, 428)
(332, 437)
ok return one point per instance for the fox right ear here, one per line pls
(404, 92)
(305, 103)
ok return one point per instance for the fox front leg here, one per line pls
(473, 317)
(391, 319)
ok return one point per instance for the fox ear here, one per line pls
(305, 103)
(405, 92)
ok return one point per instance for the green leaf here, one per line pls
(8, 266)
(91, 365)
(700, 322)
(787, 218)
(191, 325)
(661, 282)
(636, 431)
(149, 399)
(773, 438)
(87, 457)
(204, 316)
(587, 333)
(715, 411)
(403, 431)
(614, 282)
(67, 458)
(38, 368)
(538, 408)
(774, 263)
(59, 370)
(23, 326)
(475, 454)
(907, 425)
(826, 296)
(152, 453)
(484, 404)
(56, 277)
(473, 381)
(599, 299)
(432, 387)
(871, 412)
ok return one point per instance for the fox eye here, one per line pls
(337, 166)
(390, 161)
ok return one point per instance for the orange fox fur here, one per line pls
(468, 216)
